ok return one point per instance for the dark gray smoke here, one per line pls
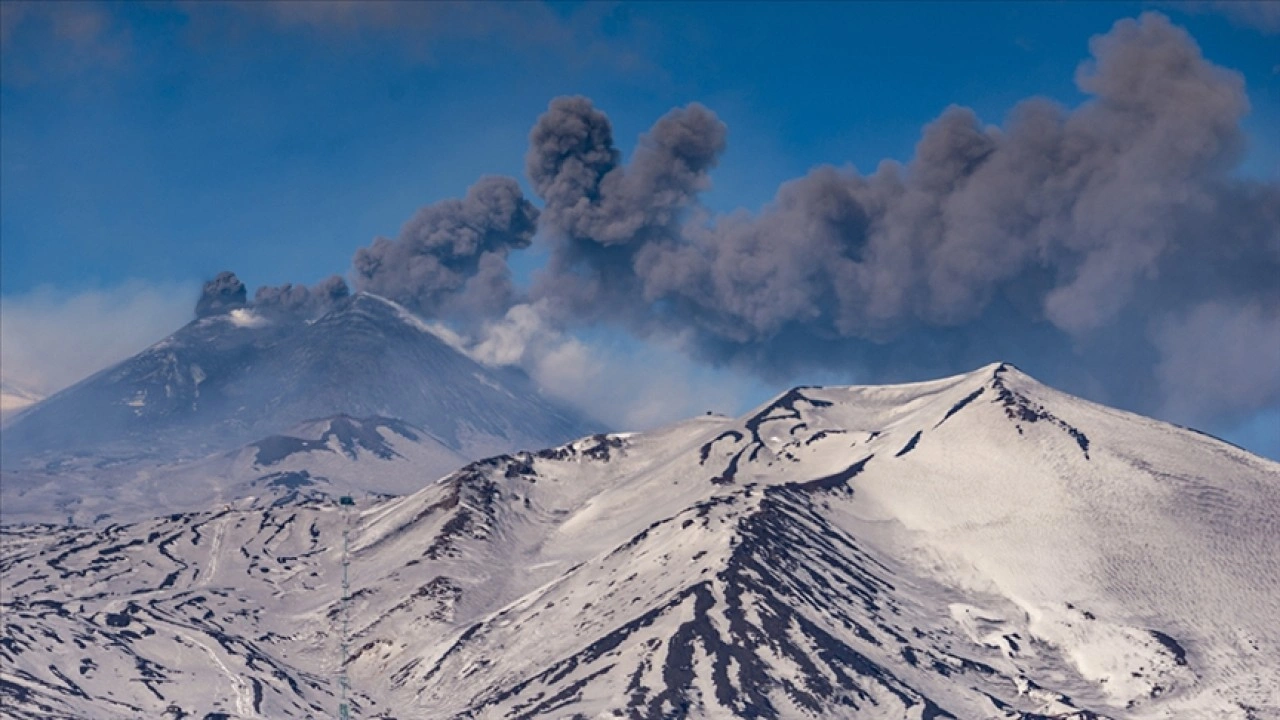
(590, 195)
(450, 258)
(226, 292)
(223, 293)
(290, 299)
(602, 212)
(1108, 248)
(1092, 230)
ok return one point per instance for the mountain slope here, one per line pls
(975, 547)
(231, 378)
(150, 435)
(331, 457)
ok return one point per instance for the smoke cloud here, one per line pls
(293, 299)
(1079, 227)
(1093, 194)
(1108, 248)
(451, 257)
(449, 261)
(616, 380)
(222, 294)
(225, 292)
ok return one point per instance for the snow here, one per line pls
(437, 330)
(213, 387)
(975, 547)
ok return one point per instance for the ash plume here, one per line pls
(290, 299)
(225, 292)
(604, 212)
(589, 194)
(450, 257)
(1108, 248)
(450, 260)
(222, 294)
(1081, 227)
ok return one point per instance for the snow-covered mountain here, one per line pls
(331, 457)
(975, 547)
(166, 429)
(230, 378)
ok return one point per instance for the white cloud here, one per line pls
(50, 338)
(517, 338)
(623, 382)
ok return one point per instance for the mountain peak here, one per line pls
(997, 376)
(231, 378)
(996, 400)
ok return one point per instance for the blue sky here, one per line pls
(158, 144)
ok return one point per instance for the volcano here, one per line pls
(980, 546)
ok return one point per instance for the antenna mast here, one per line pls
(344, 709)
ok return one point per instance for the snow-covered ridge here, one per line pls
(976, 547)
(406, 316)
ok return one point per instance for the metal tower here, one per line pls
(344, 709)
